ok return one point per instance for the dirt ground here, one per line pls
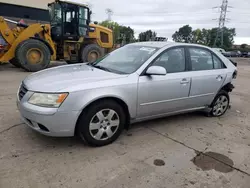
(183, 151)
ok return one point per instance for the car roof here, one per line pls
(156, 44)
(161, 44)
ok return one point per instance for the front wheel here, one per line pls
(102, 123)
(220, 104)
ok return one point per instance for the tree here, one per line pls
(127, 34)
(184, 34)
(204, 36)
(228, 37)
(147, 35)
(243, 46)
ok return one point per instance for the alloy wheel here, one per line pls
(220, 106)
(104, 124)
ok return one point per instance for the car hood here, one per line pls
(60, 78)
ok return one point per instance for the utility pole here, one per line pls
(222, 19)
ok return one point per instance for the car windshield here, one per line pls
(125, 60)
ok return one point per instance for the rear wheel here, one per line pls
(101, 123)
(91, 53)
(33, 55)
(15, 63)
(220, 104)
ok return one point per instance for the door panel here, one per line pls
(208, 76)
(162, 94)
(205, 85)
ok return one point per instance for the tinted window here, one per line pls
(172, 60)
(201, 59)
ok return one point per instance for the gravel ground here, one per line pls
(188, 150)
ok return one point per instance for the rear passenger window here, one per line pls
(201, 59)
(218, 63)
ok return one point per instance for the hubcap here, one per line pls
(220, 105)
(34, 56)
(104, 124)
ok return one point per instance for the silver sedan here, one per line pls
(137, 82)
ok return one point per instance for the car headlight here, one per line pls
(48, 100)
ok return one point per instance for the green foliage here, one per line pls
(184, 34)
(243, 46)
(122, 34)
(127, 34)
(147, 35)
(204, 36)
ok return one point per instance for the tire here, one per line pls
(94, 49)
(30, 47)
(220, 104)
(15, 63)
(97, 134)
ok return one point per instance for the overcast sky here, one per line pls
(166, 16)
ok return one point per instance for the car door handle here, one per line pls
(184, 81)
(219, 78)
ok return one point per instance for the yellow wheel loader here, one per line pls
(69, 37)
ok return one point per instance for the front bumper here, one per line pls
(48, 121)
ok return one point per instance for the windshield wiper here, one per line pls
(100, 67)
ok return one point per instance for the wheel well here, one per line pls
(119, 101)
(228, 87)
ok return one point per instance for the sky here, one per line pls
(167, 16)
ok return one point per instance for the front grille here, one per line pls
(22, 91)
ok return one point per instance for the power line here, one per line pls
(222, 19)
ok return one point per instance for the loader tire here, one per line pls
(15, 63)
(91, 53)
(33, 55)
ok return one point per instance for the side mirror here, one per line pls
(156, 70)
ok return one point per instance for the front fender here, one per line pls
(77, 101)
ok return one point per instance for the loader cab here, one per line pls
(69, 21)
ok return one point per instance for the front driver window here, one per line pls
(172, 60)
